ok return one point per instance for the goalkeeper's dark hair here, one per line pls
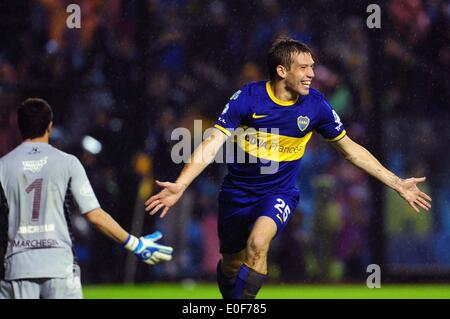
(33, 117)
(282, 53)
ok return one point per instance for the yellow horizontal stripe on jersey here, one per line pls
(273, 147)
(337, 138)
(222, 129)
(277, 100)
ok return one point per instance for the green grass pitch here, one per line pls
(210, 291)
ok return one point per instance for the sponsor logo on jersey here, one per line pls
(34, 150)
(235, 95)
(272, 146)
(337, 120)
(302, 122)
(34, 166)
(34, 229)
(258, 116)
(225, 110)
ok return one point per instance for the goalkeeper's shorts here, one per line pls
(68, 287)
(236, 220)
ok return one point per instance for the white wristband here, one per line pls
(131, 243)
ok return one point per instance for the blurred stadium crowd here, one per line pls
(138, 69)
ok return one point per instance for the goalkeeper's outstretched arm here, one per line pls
(202, 156)
(145, 247)
(107, 225)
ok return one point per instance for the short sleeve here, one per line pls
(4, 213)
(330, 125)
(4, 210)
(234, 112)
(81, 188)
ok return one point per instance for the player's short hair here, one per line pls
(33, 117)
(282, 53)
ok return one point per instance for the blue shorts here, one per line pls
(236, 220)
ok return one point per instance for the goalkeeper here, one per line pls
(36, 242)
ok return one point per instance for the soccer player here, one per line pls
(255, 206)
(36, 242)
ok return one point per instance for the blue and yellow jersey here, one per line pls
(270, 131)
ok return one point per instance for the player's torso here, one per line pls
(277, 136)
(35, 180)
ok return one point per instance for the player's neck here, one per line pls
(281, 93)
(41, 139)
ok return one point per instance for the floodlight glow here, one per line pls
(91, 145)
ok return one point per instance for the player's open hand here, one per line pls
(166, 198)
(413, 195)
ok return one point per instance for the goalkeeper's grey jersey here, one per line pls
(37, 181)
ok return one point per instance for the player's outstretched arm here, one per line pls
(144, 247)
(202, 156)
(406, 188)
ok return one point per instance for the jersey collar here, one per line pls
(277, 100)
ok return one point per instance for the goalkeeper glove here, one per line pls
(146, 249)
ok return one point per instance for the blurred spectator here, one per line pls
(176, 226)
(290, 256)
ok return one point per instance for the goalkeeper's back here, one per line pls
(37, 182)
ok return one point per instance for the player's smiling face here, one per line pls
(299, 76)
